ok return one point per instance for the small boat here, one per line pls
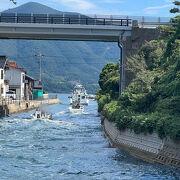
(40, 114)
(80, 94)
(76, 107)
(92, 96)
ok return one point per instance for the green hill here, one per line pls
(33, 7)
(152, 101)
(64, 61)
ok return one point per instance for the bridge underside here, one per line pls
(68, 32)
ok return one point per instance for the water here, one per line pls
(69, 147)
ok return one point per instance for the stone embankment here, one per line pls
(148, 147)
(25, 106)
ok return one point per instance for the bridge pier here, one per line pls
(122, 64)
(129, 46)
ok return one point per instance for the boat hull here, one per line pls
(86, 102)
(76, 111)
(40, 116)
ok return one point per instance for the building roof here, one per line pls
(13, 64)
(38, 84)
(18, 69)
(3, 60)
(29, 77)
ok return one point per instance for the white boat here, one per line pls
(76, 107)
(75, 110)
(39, 114)
(79, 94)
(92, 96)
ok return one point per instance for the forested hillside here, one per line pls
(152, 101)
(64, 62)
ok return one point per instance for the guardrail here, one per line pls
(61, 19)
(18, 100)
(75, 18)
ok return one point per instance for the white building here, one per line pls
(16, 78)
(3, 83)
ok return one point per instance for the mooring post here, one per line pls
(122, 62)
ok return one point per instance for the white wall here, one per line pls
(15, 77)
(2, 83)
(22, 84)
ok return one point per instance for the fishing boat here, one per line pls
(40, 114)
(76, 107)
(80, 94)
(92, 97)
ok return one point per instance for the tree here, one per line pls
(176, 9)
(14, 1)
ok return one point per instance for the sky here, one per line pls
(158, 8)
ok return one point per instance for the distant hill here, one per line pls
(67, 61)
(33, 7)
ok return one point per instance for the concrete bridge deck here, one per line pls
(70, 32)
(57, 27)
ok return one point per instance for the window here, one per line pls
(23, 78)
(2, 90)
(2, 74)
(10, 92)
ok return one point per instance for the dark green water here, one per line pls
(69, 147)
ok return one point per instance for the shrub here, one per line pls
(104, 99)
(151, 102)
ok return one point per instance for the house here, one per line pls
(29, 87)
(13, 78)
(38, 90)
(33, 88)
(3, 83)
(16, 78)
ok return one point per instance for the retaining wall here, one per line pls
(148, 147)
(24, 106)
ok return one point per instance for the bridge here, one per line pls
(54, 27)
(76, 27)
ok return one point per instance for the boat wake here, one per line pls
(86, 113)
(59, 113)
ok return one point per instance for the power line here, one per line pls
(74, 57)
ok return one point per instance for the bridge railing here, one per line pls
(143, 21)
(63, 19)
(75, 18)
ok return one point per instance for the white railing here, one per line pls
(18, 100)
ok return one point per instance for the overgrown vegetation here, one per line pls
(176, 9)
(151, 103)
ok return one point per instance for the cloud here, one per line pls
(155, 9)
(112, 1)
(78, 5)
(169, 1)
(87, 7)
(4, 5)
(159, 7)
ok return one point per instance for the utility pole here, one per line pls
(40, 68)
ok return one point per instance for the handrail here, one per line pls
(59, 19)
(19, 99)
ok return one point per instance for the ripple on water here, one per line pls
(68, 147)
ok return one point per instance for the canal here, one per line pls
(69, 147)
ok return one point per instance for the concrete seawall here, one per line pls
(147, 147)
(25, 106)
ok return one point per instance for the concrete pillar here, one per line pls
(16, 18)
(122, 65)
(135, 23)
